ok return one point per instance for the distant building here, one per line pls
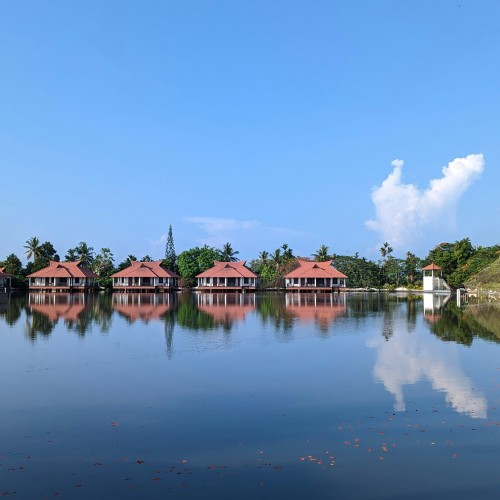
(145, 277)
(433, 279)
(62, 277)
(227, 277)
(313, 276)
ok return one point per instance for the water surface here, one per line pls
(259, 396)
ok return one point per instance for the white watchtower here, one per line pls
(433, 279)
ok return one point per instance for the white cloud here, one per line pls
(403, 210)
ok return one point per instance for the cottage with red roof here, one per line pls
(5, 280)
(227, 277)
(145, 277)
(315, 277)
(62, 277)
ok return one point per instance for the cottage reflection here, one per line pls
(321, 309)
(409, 358)
(226, 308)
(58, 305)
(143, 307)
(44, 310)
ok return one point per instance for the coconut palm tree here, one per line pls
(276, 257)
(71, 255)
(287, 252)
(264, 256)
(85, 254)
(321, 254)
(32, 248)
(228, 254)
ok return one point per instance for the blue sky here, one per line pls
(256, 123)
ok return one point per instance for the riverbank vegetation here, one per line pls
(463, 264)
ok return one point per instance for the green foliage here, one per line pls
(170, 261)
(361, 273)
(126, 263)
(32, 247)
(227, 254)
(85, 254)
(460, 261)
(45, 253)
(81, 252)
(194, 261)
(488, 278)
(272, 268)
(412, 266)
(71, 255)
(321, 255)
(14, 266)
(103, 266)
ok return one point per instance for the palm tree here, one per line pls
(321, 254)
(85, 254)
(228, 254)
(385, 250)
(276, 257)
(32, 248)
(287, 252)
(263, 256)
(71, 255)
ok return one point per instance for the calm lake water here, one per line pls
(248, 396)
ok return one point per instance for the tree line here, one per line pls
(459, 260)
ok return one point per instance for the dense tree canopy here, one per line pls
(460, 262)
(194, 261)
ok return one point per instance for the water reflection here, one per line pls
(44, 310)
(227, 308)
(452, 323)
(143, 307)
(320, 309)
(406, 361)
(411, 358)
(280, 312)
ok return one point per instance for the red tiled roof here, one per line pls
(228, 270)
(63, 270)
(432, 267)
(313, 269)
(145, 270)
